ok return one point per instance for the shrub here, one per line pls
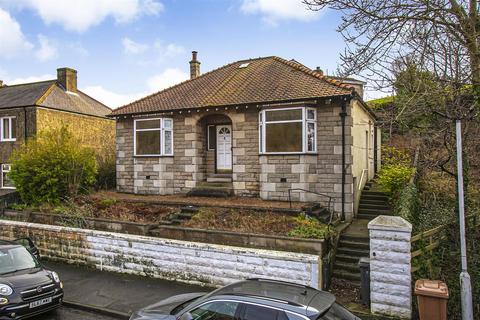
(106, 176)
(393, 178)
(52, 166)
(309, 228)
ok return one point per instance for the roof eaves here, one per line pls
(112, 115)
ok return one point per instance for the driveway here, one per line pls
(114, 291)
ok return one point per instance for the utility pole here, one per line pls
(465, 284)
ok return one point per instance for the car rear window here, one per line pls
(337, 312)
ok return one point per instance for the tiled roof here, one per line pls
(23, 95)
(49, 94)
(266, 79)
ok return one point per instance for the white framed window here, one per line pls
(153, 137)
(288, 130)
(9, 128)
(7, 183)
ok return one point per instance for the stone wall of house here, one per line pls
(94, 132)
(267, 176)
(25, 118)
(191, 262)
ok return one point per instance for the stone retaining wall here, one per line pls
(191, 262)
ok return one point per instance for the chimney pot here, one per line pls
(67, 78)
(194, 66)
(319, 71)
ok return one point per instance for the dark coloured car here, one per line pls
(26, 287)
(253, 299)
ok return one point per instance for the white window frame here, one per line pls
(2, 170)
(262, 121)
(162, 130)
(10, 132)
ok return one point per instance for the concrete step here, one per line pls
(189, 209)
(214, 185)
(356, 238)
(374, 211)
(354, 252)
(376, 206)
(367, 216)
(353, 278)
(348, 267)
(347, 258)
(211, 192)
(374, 193)
(219, 179)
(354, 245)
(364, 201)
(374, 197)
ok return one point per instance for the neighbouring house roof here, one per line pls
(260, 80)
(50, 95)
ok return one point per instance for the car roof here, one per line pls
(290, 296)
(8, 243)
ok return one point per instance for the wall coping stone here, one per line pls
(390, 223)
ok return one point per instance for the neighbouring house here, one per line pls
(258, 127)
(27, 109)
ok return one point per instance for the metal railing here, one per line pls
(331, 200)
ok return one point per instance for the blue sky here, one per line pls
(125, 49)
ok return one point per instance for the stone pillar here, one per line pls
(390, 267)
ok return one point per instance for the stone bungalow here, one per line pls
(258, 127)
(26, 109)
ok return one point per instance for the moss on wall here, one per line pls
(94, 132)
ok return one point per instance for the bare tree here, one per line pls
(441, 36)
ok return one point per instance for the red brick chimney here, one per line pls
(194, 66)
(67, 78)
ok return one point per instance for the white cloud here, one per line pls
(12, 40)
(81, 15)
(110, 98)
(170, 50)
(166, 79)
(155, 83)
(47, 50)
(273, 11)
(42, 77)
(132, 47)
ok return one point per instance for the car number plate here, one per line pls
(38, 303)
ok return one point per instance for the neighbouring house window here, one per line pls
(153, 137)
(290, 130)
(9, 128)
(212, 137)
(7, 183)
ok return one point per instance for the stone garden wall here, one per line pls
(191, 262)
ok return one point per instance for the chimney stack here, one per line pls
(67, 78)
(194, 66)
(1, 83)
(319, 71)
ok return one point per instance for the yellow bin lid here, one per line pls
(431, 288)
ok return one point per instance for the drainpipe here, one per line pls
(343, 116)
(25, 122)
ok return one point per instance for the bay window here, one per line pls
(288, 130)
(153, 137)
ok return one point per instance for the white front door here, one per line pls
(224, 147)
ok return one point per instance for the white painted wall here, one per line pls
(363, 147)
(190, 262)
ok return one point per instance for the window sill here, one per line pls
(8, 140)
(289, 154)
(8, 188)
(153, 156)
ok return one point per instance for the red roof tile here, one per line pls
(266, 79)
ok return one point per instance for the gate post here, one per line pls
(390, 266)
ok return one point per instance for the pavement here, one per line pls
(65, 313)
(113, 294)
